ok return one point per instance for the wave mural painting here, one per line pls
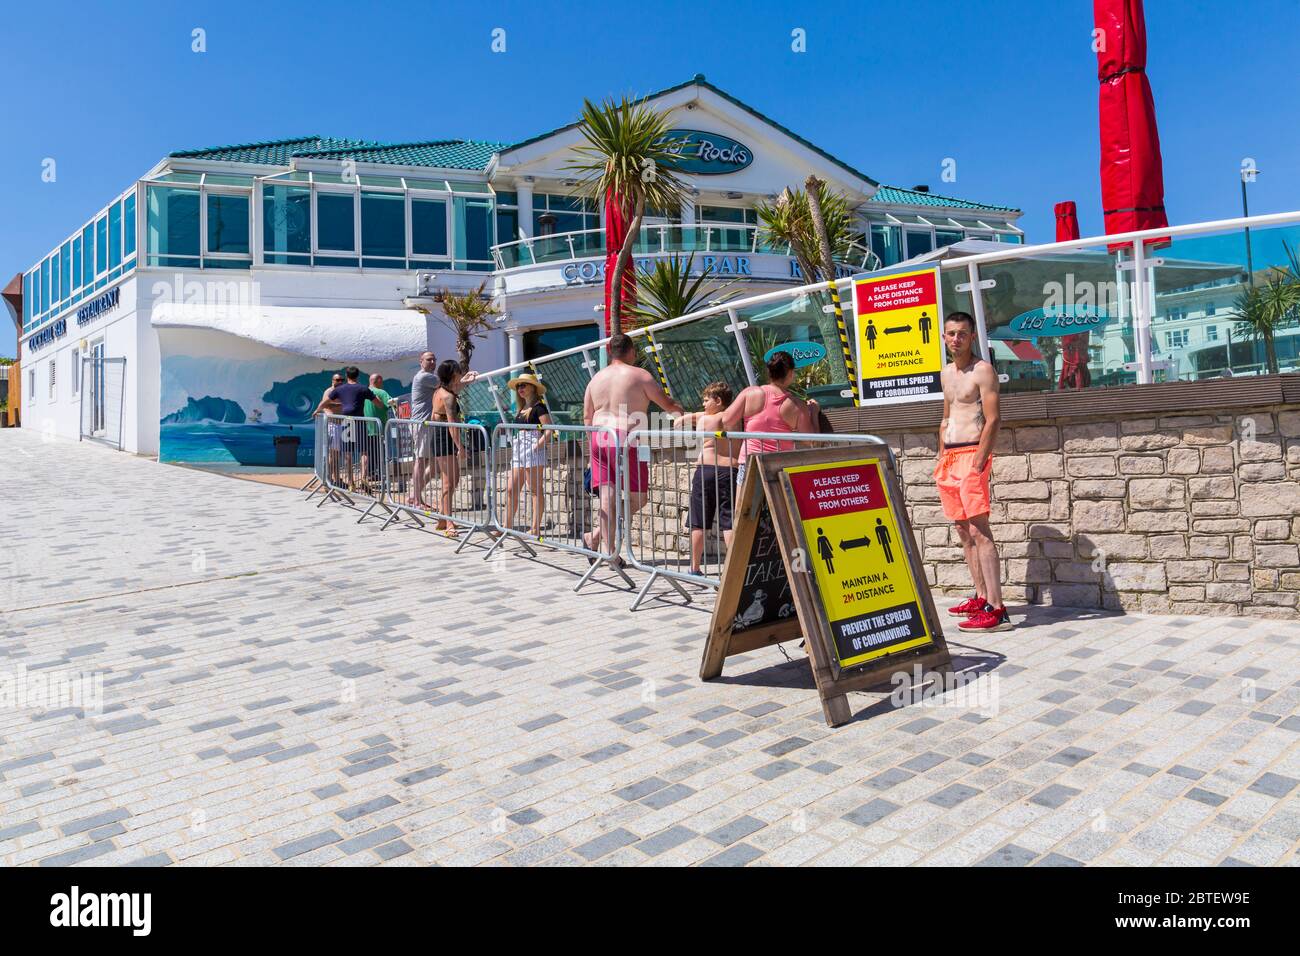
(226, 401)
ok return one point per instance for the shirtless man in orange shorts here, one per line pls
(966, 436)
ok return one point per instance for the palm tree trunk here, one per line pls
(621, 265)
(812, 186)
(1270, 352)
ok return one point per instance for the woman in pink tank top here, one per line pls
(770, 408)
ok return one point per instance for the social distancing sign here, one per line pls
(859, 560)
(899, 336)
(847, 579)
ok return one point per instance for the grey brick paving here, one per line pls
(253, 713)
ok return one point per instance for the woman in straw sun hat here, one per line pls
(528, 453)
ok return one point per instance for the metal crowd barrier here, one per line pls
(541, 481)
(352, 462)
(439, 471)
(317, 480)
(678, 511)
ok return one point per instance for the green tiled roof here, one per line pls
(276, 152)
(444, 153)
(911, 197)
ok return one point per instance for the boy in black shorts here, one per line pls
(714, 480)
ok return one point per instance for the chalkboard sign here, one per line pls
(765, 596)
(755, 605)
(822, 548)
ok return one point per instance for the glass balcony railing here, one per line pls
(1090, 313)
(660, 239)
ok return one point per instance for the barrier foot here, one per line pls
(367, 512)
(502, 538)
(311, 484)
(645, 589)
(596, 565)
(465, 540)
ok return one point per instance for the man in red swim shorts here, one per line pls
(966, 436)
(618, 400)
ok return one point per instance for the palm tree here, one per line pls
(628, 155)
(1262, 310)
(669, 292)
(471, 316)
(790, 221)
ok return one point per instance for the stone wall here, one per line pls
(1186, 513)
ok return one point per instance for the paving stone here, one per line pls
(735, 830)
(1274, 785)
(742, 854)
(665, 840)
(604, 844)
(1054, 796)
(1009, 855)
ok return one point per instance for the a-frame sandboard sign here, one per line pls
(822, 547)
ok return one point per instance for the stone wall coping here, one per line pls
(1126, 400)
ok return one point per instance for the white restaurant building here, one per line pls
(228, 284)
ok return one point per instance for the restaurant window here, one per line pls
(918, 243)
(946, 237)
(1212, 333)
(65, 269)
(128, 226)
(383, 230)
(172, 226)
(227, 224)
(286, 225)
(473, 234)
(1176, 338)
(553, 214)
(114, 235)
(76, 261)
(429, 231)
(336, 228)
(885, 243)
(88, 255)
(1210, 308)
(101, 242)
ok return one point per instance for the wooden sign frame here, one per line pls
(765, 480)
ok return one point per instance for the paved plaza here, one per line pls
(284, 685)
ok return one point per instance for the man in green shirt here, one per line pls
(375, 432)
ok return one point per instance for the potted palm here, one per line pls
(628, 158)
(471, 315)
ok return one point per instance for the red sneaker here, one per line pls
(996, 620)
(969, 606)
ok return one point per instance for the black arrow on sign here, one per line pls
(854, 543)
(898, 328)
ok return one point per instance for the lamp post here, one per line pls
(1248, 174)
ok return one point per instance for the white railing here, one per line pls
(656, 239)
(1138, 261)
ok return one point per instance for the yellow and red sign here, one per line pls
(900, 336)
(859, 560)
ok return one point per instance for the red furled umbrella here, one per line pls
(1074, 348)
(1132, 180)
(617, 221)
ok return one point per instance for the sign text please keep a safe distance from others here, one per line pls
(900, 336)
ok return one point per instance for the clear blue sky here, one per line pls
(1007, 88)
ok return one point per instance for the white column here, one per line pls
(688, 209)
(525, 192)
(516, 346)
